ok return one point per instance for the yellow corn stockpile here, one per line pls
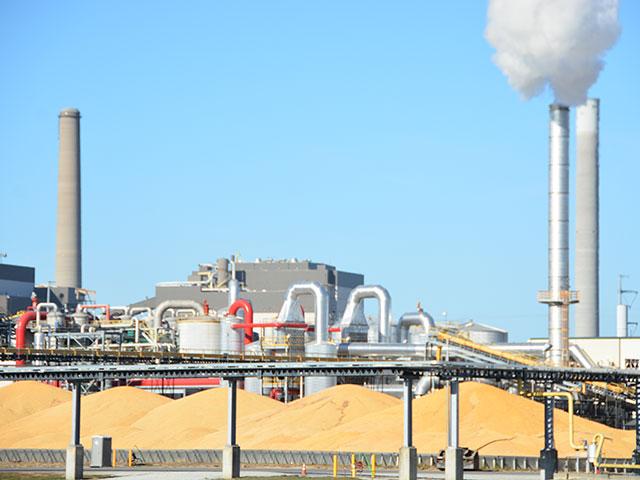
(343, 418)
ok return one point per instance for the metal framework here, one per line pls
(238, 369)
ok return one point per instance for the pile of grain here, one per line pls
(344, 418)
(491, 420)
(197, 421)
(307, 418)
(21, 399)
(110, 412)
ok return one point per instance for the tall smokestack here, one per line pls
(587, 230)
(558, 296)
(68, 233)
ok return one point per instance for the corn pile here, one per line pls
(342, 418)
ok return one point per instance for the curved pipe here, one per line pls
(167, 304)
(356, 297)
(41, 306)
(569, 398)
(248, 317)
(21, 328)
(419, 318)
(321, 297)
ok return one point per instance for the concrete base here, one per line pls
(453, 464)
(231, 461)
(548, 463)
(408, 463)
(74, 462)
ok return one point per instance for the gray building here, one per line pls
(263, 282)
(16, 286)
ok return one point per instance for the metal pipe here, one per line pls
(388, 349)
(454, 414)
(40, 307)
(167, 304)
(246, 306)
(68, 227)
(234, 290)
(357, 295)
(407, 397)
(558, 232)
(21, 329)
(321, 306)
(581, 357)
(400, 327)
(569, 397)
(75, 414)
(587, 223)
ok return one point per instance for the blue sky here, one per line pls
(375, 136)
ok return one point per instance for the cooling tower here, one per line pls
(587, 230)
(68, 233)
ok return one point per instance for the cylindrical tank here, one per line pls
(55, 320)
(484, 334)
(253, 384)
(316, 384)
(68, 231)
(199, 334)
(80, 318)
(232, 339)
(622, 320)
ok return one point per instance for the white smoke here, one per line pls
(554, 42)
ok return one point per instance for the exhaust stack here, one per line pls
(558, 296)
(68, 233)
(587, 228)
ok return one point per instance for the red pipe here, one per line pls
(271, 325)
(21, 329)
(177, 382)
(248, 317)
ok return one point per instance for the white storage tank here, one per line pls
(484, 334)
(316, 384)
(232, 339)
(199, 334)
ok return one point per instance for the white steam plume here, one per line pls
(554, 42)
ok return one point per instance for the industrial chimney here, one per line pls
(558, 296)
(68, 233)
(587, 231)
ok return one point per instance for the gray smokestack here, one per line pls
(68, 233)
(558, 296)
(587, 231)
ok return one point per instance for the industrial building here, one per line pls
(299, 310)
(16, 287)
(262, 282)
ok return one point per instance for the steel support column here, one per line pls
(549, 454)
(408, 413)
(636, 452)
(453, 466)
(408, 458)
(75, 451)
(231, 451)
